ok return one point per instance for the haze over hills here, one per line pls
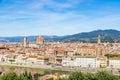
(106, 36)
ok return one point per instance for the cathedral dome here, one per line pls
(40, 39)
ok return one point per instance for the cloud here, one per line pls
(25, 17)
(35, 11)
(55, 4)
(17, 10)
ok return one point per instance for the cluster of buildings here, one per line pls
(60, 54)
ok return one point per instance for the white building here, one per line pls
(82, 62)
(114, 63)
(68, 62)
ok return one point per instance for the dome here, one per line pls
(40, 39)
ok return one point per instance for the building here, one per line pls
(82, 62)
(24, 43)
(93, 50)
(59, 54)
(114, 63)
(87, 50)
(40, 40)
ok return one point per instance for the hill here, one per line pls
(106, 36)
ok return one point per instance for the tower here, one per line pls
(25, 42)
(99, 40)
(99, 46)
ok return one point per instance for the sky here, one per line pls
(57, 17)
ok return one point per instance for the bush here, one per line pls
(9, 76)
(14, 76)
(104, 75)
(81, 76)
(100, 75)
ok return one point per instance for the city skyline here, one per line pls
(35, 17)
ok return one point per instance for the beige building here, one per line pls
(87, 51)
(59, 54)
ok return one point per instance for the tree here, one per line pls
(9, 76)
(112, 55)
(100, 75)
(77, 54)
(51, 79)
(14, 76)
(76, 76)
(104, 75)
(12, 60)
(63, 79)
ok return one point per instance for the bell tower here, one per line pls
(99, 46)
(99, 40)
(25, 42)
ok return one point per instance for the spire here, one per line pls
(99, 39)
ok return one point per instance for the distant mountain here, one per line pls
(29, 38)
(106, 36)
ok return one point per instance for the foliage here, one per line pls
(103, 75)
(9, 76)
(82, 76)
(14, 76)
(51, 79)
(102, 66)
(77, 54)
(25, 76)
(100, 75)
(12, 60)
(76, 75)
(63, 79)
(112, 55)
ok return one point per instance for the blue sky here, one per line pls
(57, 17)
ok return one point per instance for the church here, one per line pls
(92, 50)
(39, 42)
